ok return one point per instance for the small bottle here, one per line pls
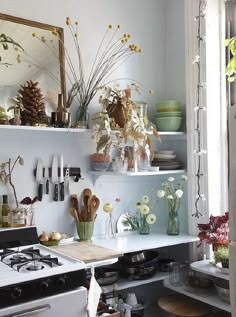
(5, 212)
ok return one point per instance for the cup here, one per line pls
(175, 274)
(85, 230)
(131, 299)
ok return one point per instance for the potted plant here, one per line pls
(221, 255)
(215, 232)
(119, 122)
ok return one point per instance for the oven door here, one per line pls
(71, 304)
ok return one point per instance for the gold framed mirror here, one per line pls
(41, 60)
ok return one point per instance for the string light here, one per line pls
(198, 108)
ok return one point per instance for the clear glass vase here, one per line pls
(82, 117)
(143, 225)
(173, 224)
(110, 227)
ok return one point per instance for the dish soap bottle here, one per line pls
(5, 212)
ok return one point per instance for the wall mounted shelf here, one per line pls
(42, 129)
(97, 174)
(207, 268)
(212, 297)
(72, 130)
(125, 283)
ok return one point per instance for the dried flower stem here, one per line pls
(10, 169)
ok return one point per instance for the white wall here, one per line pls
(156, 26)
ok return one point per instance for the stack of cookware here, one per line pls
(139, 265)
(168, 116)
(166, 160)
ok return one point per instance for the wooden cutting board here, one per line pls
(87, 251)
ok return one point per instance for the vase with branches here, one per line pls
(112, 52)
(6, 172)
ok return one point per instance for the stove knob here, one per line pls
(61, 281)
(44, 285)
(16, 292)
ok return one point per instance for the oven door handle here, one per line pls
(37, 310)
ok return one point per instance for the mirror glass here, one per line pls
(41, 59)
(122, 225)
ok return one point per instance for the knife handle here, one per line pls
(40, 192)
(62, 191)
(55, 192)
(47, 186)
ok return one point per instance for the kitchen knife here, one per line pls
(62, 190)
(39, 179)
(46, 176)
(55, 177)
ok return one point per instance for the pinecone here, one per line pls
(31, 98)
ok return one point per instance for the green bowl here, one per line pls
(168, 105)
(169, 114)
(50, 243)
(171, 124)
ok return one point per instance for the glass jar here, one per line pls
(18, 217)
(144, 227)
(144, 163)
(173, 224)
(120, 165)
(175, 274)
(82, 117)
(110, 227)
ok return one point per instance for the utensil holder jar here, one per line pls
(85, 230)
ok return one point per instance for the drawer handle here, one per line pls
(37, 310)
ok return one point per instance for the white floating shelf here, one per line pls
(132, 241)
(211, 298)
(97, 174)
(73, 130)
(125, 283)
(42, 129)
(206, 267)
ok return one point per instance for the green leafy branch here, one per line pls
(5, 41)
(231, 66)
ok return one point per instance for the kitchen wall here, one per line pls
(158, 27)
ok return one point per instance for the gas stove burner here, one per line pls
(9, 255)
(35, 267)
(26, 266)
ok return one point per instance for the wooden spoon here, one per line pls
(93, 203)
(74, 214)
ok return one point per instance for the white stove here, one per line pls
(31, 274)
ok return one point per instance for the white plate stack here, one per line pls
(165, 159)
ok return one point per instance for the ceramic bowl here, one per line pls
(100, 166)
(168, 105)
(169, 114)
(171, 124)
(222, 287)
(50, 243)
(168, 152)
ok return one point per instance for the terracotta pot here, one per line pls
(116, 111)
(100, 157)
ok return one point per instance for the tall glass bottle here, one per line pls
(5, 212)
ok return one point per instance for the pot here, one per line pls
(139, 257)
(106, 276)
(163, 264)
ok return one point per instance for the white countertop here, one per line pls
(131, 242)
